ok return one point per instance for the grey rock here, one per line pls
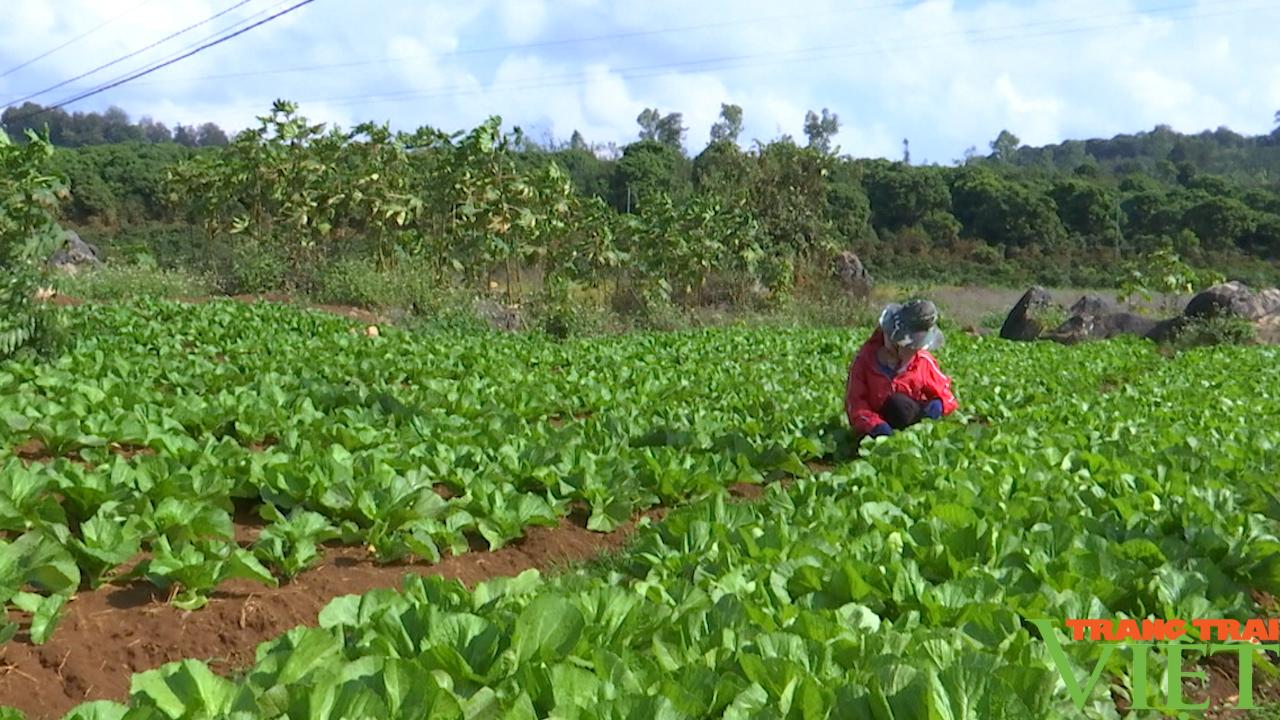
(851, 272)
(1234, 299)
(1021, 323)
(1091, 305)
(1085, 327)
(74, 254)
(499, 316)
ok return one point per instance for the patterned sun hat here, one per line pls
(912, 325)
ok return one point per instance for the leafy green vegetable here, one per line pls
(896, 584)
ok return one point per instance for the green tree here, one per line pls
(1005, 146)
(666, 129)
(590, 174)
(155, 132)
(649, 168)
(1264, 238)
(1220, 223)
(821, 130)
(29, 232)
(729, 126)
(1004, 212)
(210, 135)
(723, 169)
(789, 197)
(1086, 209)
(1149, 211)
(902, 196)
(848, 207)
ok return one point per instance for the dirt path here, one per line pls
(111, 633)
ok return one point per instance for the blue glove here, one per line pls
(933, 409)
(881, 430)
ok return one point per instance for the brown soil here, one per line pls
(353, 313)
(1223, 694)
(64, 301)
(558, 421)
(111, 633)
(34, 451)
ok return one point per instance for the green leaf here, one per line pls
(187, 688)
(46, 612)
(97, 710)
(243, 565)
(47, 564)
(549, 628)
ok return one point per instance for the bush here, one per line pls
(563, 310)
(254, 268)
(646, 303)
(26, 325)
(170, 246)
(29, 232)
(360, 282)
(993, 320)
(1221, 330)
(139, 280)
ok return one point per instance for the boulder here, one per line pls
(1021, 323)
(500, 316)
(1165, 330)
(75, 254)
(1234, 299)
(1093, 318)
(1091, 305)
(849, 269)
(1083, 327)
(1269, 329)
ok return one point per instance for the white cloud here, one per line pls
(523, 20)
(944, 73)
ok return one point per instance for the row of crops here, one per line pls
(165, 419)
(1096, 481)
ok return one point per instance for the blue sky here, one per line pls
(945, 74)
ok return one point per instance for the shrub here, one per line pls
(1220, 330)
(993, 320)
(360, 282)
(254, 268)
(29, 232)
(563, 310)
(139, 280)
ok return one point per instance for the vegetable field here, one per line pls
(892, 581)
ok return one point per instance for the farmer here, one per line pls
(894, 381)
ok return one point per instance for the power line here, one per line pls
(167, 63)
(535, 45)
(802, 55)
(75, 39)
(135, 53)
(724, 62)
(179, 52)
(639, 33)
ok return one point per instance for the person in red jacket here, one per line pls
(894, 380)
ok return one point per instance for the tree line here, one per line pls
(1063, 214)
(81, 129)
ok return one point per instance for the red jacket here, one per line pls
(869, 385)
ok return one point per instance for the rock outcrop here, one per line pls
(852, 274)
(1093, 318)
(75, 254)
(1022, 322)
(1234, 299)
